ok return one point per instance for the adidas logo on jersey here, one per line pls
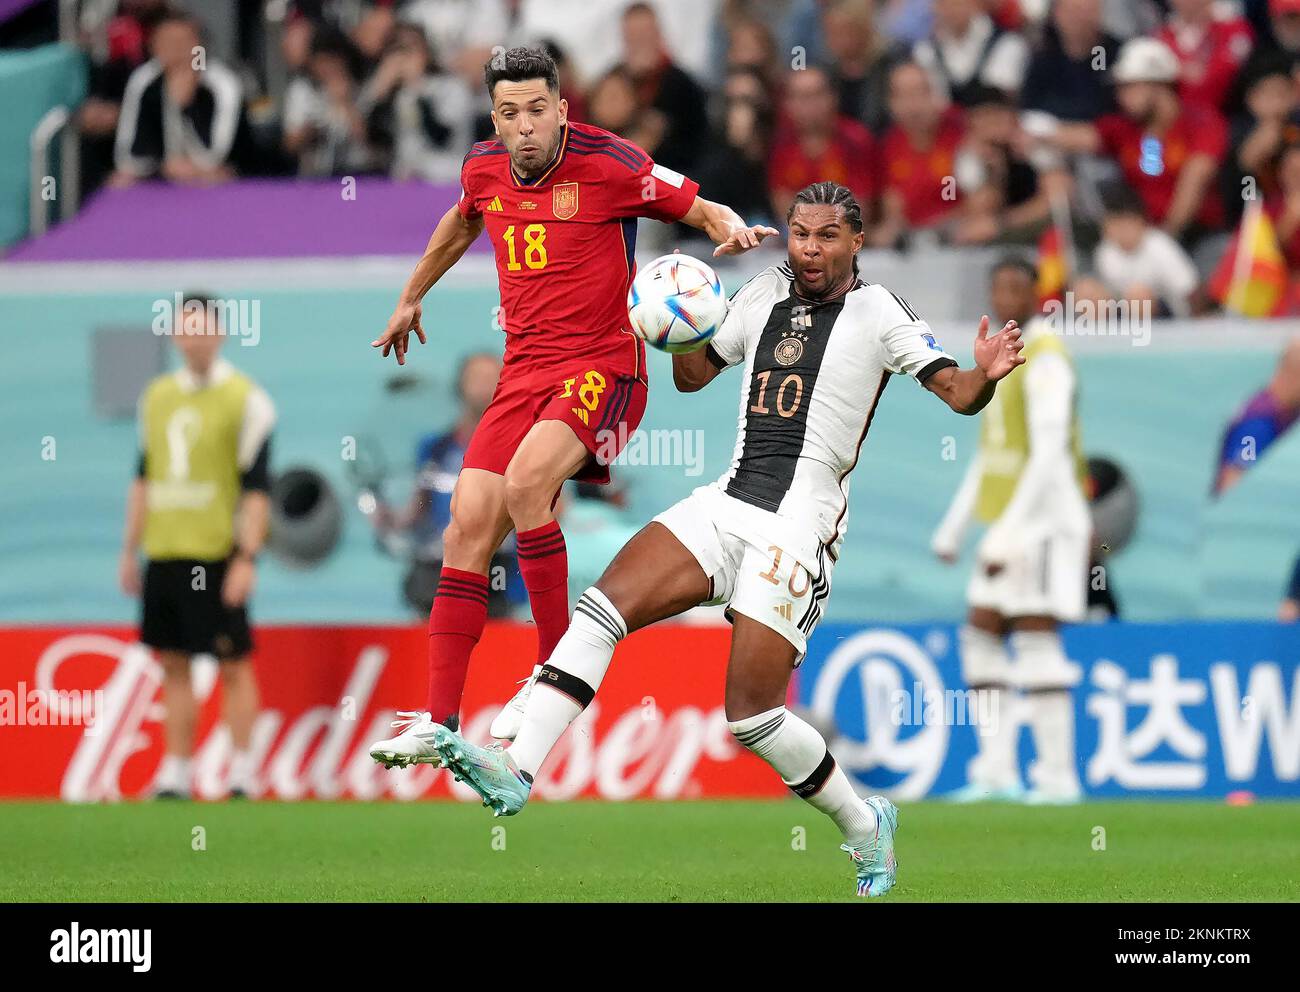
(495, 205)
(784, 610)
(581, 414)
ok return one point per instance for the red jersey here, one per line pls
(565, 243)
(1210, 57)
(921, 177)
(849, 159)
(1151, 163)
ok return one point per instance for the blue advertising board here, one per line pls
(1185, 709)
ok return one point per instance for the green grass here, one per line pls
(685, 851)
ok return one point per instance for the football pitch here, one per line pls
(639, 851)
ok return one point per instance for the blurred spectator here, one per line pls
(734, 169)
(1283, 208)
(373, 34)
(428, 512)
(570, 85)
(815, 142)
(613, 105)
(860, 62)
(182, 112)
(1168, 151)
(663, 87)
(1140, 263)
(463, 32)
(125, 48)
(751, 45)
(1211, 48)
(323, 124)
(1067, 72)
(421, 115)
(919, 153)
(999, 188)
(1267, 415)
(1280, 39)
(1268, 124)
(295, 44)
(966, 49)
(906, 21)
(803, 33)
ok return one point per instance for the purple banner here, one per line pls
(271, 218)
(8, 8)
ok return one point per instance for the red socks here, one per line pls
(544, 565)
(455, 625)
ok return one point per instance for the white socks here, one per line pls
(987, 669)
(569, 680)
(799, 755)
(175, 775)
(242, 771)
(1047, 676)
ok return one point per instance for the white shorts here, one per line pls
(742, 550)
(1046, 575)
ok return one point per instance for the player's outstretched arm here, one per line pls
(449, 241)
(968, 391)
(728, 231)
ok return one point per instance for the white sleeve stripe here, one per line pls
(129, 120)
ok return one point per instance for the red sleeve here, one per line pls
(468, 209)
(1210, 136)
(1112, 129)
(649, 190)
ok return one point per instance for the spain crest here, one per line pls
(564, 200)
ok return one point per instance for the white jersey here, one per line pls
(814, 372)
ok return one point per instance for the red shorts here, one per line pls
(601, 402)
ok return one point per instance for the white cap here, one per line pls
(1146, 60)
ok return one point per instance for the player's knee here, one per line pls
(469, 534)
(526, 494)
(747, 701)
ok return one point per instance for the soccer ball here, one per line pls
(676, 303)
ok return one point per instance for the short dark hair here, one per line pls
(514, 65)
(833, 195)
(1018, 262)
(200, 299)
(1120, 198)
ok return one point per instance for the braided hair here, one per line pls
(833, 195)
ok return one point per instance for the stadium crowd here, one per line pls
(1142, 129)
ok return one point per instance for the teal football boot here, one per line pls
(489, 771)
(874, 860)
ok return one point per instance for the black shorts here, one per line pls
(181, 610)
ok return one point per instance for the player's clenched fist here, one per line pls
(405, 319)
(999, 354)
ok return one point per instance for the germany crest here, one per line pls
(564, 200)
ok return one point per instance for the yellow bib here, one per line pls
(191, 465)
(1004, 434)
